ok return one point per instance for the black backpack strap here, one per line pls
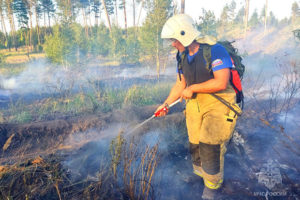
(226, 104)
(207, 55)
(179, 65)
(207, 58)
(180, 57)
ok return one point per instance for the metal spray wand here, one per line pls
(154, 115)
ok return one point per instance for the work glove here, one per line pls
(162, 110)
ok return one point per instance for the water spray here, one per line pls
(156, 114)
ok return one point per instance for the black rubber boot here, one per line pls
(210, 194)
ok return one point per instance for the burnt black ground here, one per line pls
(76, 149)
(173, 177)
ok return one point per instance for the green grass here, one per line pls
(105, 100)
(19, 57)
(22, 117)
(147, 95)
(12, 69)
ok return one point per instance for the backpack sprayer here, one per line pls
(154, 115)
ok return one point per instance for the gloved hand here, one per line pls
(162, 110)
(187, 93)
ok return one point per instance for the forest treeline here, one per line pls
(69, 30)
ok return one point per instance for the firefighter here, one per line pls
(209, 122)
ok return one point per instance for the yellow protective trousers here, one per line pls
(210, 125)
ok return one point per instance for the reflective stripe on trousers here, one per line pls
(213, 186)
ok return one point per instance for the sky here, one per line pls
(280, 8)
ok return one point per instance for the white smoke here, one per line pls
(8, 84)
(42, 77)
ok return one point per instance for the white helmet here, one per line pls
(180, 27)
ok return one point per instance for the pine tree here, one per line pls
(29, 5)
(239, 18)
(207, 23)
(254, 20)
(123, 6)
(110, 6)
(151, 43)
(9, 10)
(96, 9)
(66, 11)
(246, 18)
(3, 26)
(2, 42)
(261, 17)
(107, 6)
(38, 14)
(84, 6)
(133, 12)
(115, 3)
(231, 11)
(47, 7)
(266, 17)
(272, 20)
(295, 17)
(140, 12)
(224, 20)
(21, 11)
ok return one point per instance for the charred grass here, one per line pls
(45, 178)
(126, 172)
(33, 148)
(33, 151)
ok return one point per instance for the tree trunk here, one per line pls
(116, 13)
(30, 23)
(44, 19)
(142, 5)
(133, 8)
(11, 22)
(157, 55)
(107, 16)
(37, 27)
(90, 20)
(27, 41)
(266, 17)
(30, 34)
(182, 6)
(3, 23)
(70, 9)
(96, 16)
(246, 17)
(49, 25)
(125, 18)
(85, 22)
(96, 19)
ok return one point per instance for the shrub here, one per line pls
(23, 117)
(61, 47)
(2, 59)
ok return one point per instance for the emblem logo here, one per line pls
(216, 62)
(270, 175)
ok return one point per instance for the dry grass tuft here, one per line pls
(7, 143)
